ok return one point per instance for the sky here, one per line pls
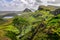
(20, 5)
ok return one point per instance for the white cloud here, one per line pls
(19, 5)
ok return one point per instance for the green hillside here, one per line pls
(38, 25)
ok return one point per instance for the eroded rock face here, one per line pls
(40, 8)
(27, 10)
(56, 12)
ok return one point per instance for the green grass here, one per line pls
(12, 28)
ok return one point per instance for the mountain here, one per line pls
(27, 10)
(49, 7)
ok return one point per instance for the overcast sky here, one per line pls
(19, 5)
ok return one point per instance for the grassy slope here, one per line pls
(7, 26)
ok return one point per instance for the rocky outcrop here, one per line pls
(56, 12)
(27, 10)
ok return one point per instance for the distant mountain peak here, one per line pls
(27, 10)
